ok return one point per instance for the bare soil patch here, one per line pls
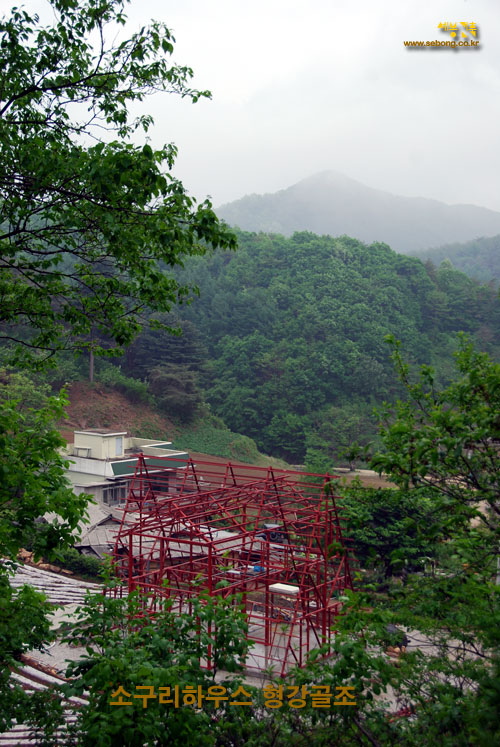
(96, 406)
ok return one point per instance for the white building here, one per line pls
(103, 462)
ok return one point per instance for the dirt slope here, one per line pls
(97, 406)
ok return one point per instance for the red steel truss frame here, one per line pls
(273, 535)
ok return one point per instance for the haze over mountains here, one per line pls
(331, 203)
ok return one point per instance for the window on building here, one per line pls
(114, 494)
(119, 446)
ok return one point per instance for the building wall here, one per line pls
(101, 445)
(91, 466)
(112, 494)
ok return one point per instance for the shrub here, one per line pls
(134, 389)
(83, 565)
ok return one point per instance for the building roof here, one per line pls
(101, 539)
(84, 479)
(97, 514)
(102, 432)
(201, 541)
(59, 588)
(33, 676)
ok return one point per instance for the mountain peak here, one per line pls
(330, 202)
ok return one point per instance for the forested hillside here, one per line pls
(287, 337)
(479, 258)
(334, 204)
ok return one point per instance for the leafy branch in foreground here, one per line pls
(128, 649)
(87, 230)
(33, 484)
(34, 480)
(442, 450)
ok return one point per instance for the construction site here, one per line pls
(273, 537)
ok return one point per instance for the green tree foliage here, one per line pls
(211, 436)
(33, 483)
(295, 328)
(478, 258)
(389, 529)
(446, 441)
(15, 385)
(340, 435)
(164, 652)
(83, 565)
(34, 479)
(441, 448)
(176, 390)
(24, 624)
(90, 224)
(113, 376)
(173, 363)
(157, 347)
(128, 650)
(87, 222)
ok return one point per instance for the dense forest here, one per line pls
(479, 258)
(286, 341)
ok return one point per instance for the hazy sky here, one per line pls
(300, 87)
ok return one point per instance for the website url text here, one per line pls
(437, 43)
